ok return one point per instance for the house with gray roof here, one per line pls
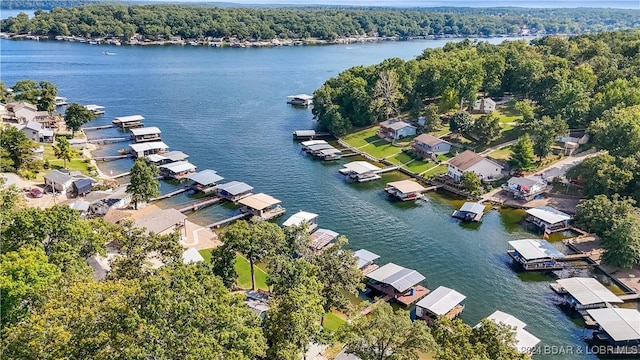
(428, 146)
(161, 222)
(58, 180)
(395, 129)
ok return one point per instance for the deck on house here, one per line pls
(196, 205)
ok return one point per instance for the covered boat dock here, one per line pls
(534, 255)
(130, 121)
(365, 260)
(398, 283)
(95, 109)
(300, 100)
(302, 217)
(405, 190)
(145, 134)
(584, 293)
(470, 211)
(262, 205)
(234, 190)
(548, 218)
(617, 327)
(167, 157)
(360, 171)
(177, 170)
(525, 341)
(148, 148)
(321, 239)
(440, 302)
(205, 180)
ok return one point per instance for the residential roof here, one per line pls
(145, 131)
(360, 167)
(80, 205)
(620, 324)
(175, 155)
(364, 257)
(160, 221)
(235, 187)
(148, 146)
(321, 238)
(58, 177)
(486, 100)
(395, 124)
(526, 181)
(305, 132)
(401, 279)
(33, 125)
(191, 256)
(313, 142)
(441, 300)
(532, 249)
(259, 201)
(472, 207)
(525, 341)
(588, 291)
(467, 159)
(83, 185)
(407, 186)
(548, 214)
(178, 166)
(301, 96)
(205, 177)
(299, 218)
(430, 140)
(48, 133)
(130, 118)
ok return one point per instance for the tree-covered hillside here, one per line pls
(156, 21)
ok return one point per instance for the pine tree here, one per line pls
(522, 156)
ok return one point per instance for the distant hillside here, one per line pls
(45, 4)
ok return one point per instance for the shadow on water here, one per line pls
(511, 219)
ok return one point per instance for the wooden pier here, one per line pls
(200, 204)
(387, 169)
(224, 222)
(112, 157)
(173, 193)
(98, 127)
(629, 297)
(108, 140)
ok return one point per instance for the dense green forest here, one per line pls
(587, 82)
(156, 21)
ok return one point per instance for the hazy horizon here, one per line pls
(621, 4)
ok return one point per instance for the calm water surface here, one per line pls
(226, 109)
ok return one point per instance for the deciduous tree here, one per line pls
(471, 182)
(387, 91)
(460, 122)
(486, 128)
(75, 116)
(545, 131)
(143, 185)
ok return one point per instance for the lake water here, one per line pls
(227, 109)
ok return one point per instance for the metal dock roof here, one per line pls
(205, 177)
(153, 145)
(364, 257)
(441, 300)
(259, 201)
(360, 167)
(525, 341)
(130, 118)
(472, 207)
(406, 186)
(532, 249)
(588, 291)
(145, 131)
(398, 277)
(299, 218)
(548, 214)
(235, 187)
(620, 324)
(178, 166)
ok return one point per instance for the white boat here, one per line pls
(61, 101)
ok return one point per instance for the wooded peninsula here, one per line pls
(156, 22)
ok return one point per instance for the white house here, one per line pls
(525, 187)
(58, 180)
(395, 129)
(426, 146)
(470, 161)
(484, 105)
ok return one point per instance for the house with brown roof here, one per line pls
(469, 161)
(428, 146)
(395, 129)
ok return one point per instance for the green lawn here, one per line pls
(362, 137)
(400, 158)
(504, 153)
(419, 166)
(381, 149)
(206, 254)
(444, 157)
(244, 274)
(332, 321)
(508, 114)
(440, 169)
(76, 164)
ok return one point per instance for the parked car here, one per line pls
(36, 193)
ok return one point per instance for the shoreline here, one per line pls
(236, 43)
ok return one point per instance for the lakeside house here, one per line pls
(395, 129)
(397, 283)
(548, 218)
(177, 170)
(144, 134)
(525, 341)
(584, 293)
(405, 190)
(58, 180)
(468, 161)
(191, 256)
(617, 327)
(162, 222)
(300, 100)
(95, 109)
(262, 206)
(574, 136)
(470, 211)
(302, 217)
(233, 190)
(205, 180)
(108, 204)
(428, 146)
(81, 206)
(534, 254)
(525, 188)
(129, 121)
(148, 148)
(365, 260)
(443, 301)
(36, 132)
(360, 171)
(484, 105)
(321, 239)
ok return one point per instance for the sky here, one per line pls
(625, 4)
